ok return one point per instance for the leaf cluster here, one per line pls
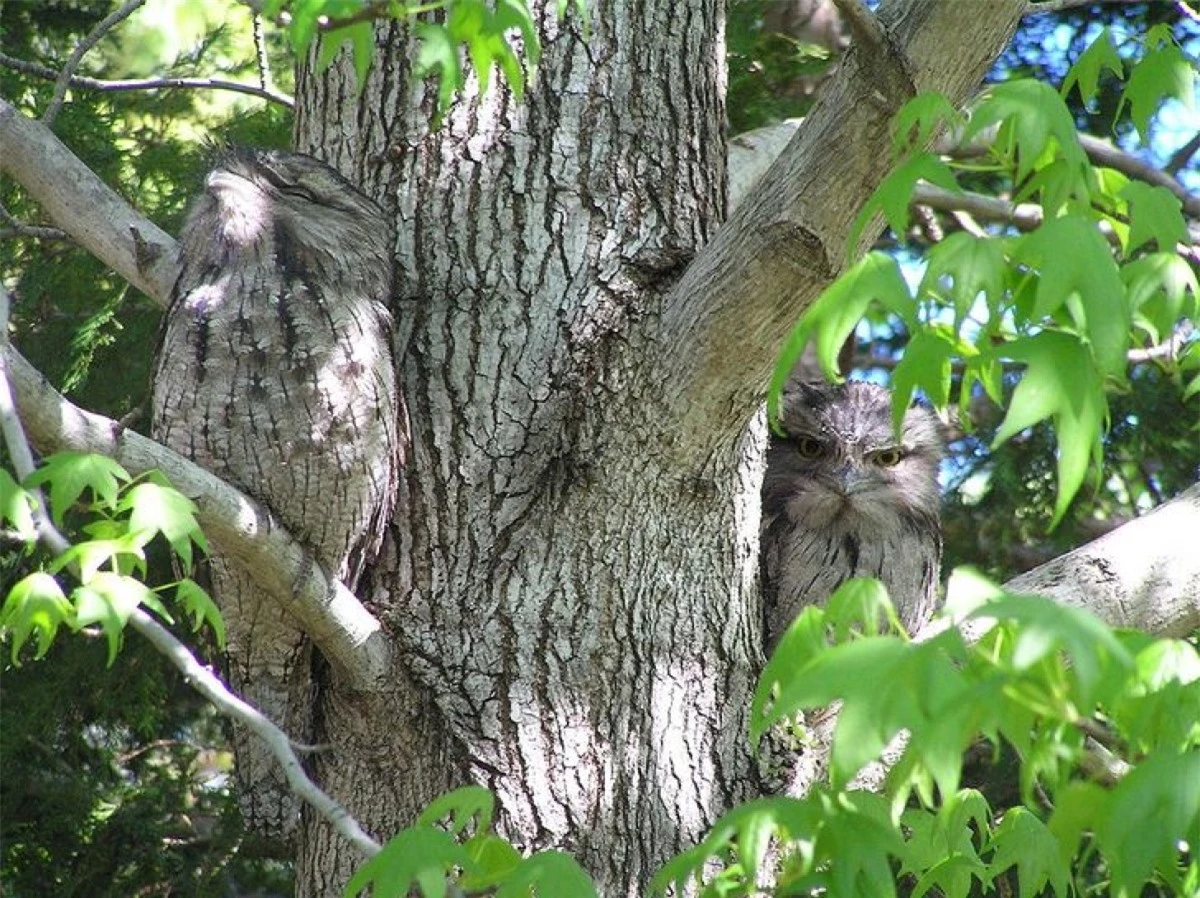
(1052, 683)
(452, 842)
(489, 33)
(121, 517)
(1071, 295)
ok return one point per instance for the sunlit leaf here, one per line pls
(547, 873)
(419, 856)
(835, 315)
(438, 55)
(68, 474)
(465, 805)
(494, 859)
(1061, 383)
(965, 267)
(1045, 627)
(1100, 55)
(157, 509)
(1036, 116)
(924, 366)
(16, 508)
(1077, 271)
(1023, 841)
(1155, 214)
(1153, 809)
(198, 604)
(35, 606)
(893, 196)
(1164, 71)
(921, 119)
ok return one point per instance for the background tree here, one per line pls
(580, 498)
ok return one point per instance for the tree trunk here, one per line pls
(571, 576)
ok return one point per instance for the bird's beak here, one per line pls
(851, 479)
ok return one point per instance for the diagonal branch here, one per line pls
(724, 321)
(85, 207)
(200, 677)
(341, 627)
(1145, 574)
(207, 684)
(63, 81)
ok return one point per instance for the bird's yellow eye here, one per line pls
(809, 447)
(888, 458)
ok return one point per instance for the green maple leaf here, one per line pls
(893, 196)
(70, 473)
(920, 119)
(1101, 54)
(1034, 117)
(925, 365)
(966, 266)
(1063, 384)
(1154, 214)
(1151, 810)
(836, 313)
(1077, 270)
(1023, 841)
(1165, 71)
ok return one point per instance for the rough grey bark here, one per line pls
(1145, 574)
(570, 579)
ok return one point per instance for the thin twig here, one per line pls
(18, 228)
(260, 53)
(1183, 155)
(1025, 216)
(210, 686)
(200, 677)
(40, 71)
(1187, 10)
(64, 77)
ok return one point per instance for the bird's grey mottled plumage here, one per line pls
(275, 372)
(843, 497)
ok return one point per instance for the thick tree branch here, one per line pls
(1145, 574)
(85, 207)
(725, 319)
(200, 677)
(341, 627)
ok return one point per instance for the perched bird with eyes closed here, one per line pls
(275, 372)
(844, 497)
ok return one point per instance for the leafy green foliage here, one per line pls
(773, 70)
(1043, 679)
(124, 517)
(493, 33)
(1060, 298)
(428, 855)
(1164, 71)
